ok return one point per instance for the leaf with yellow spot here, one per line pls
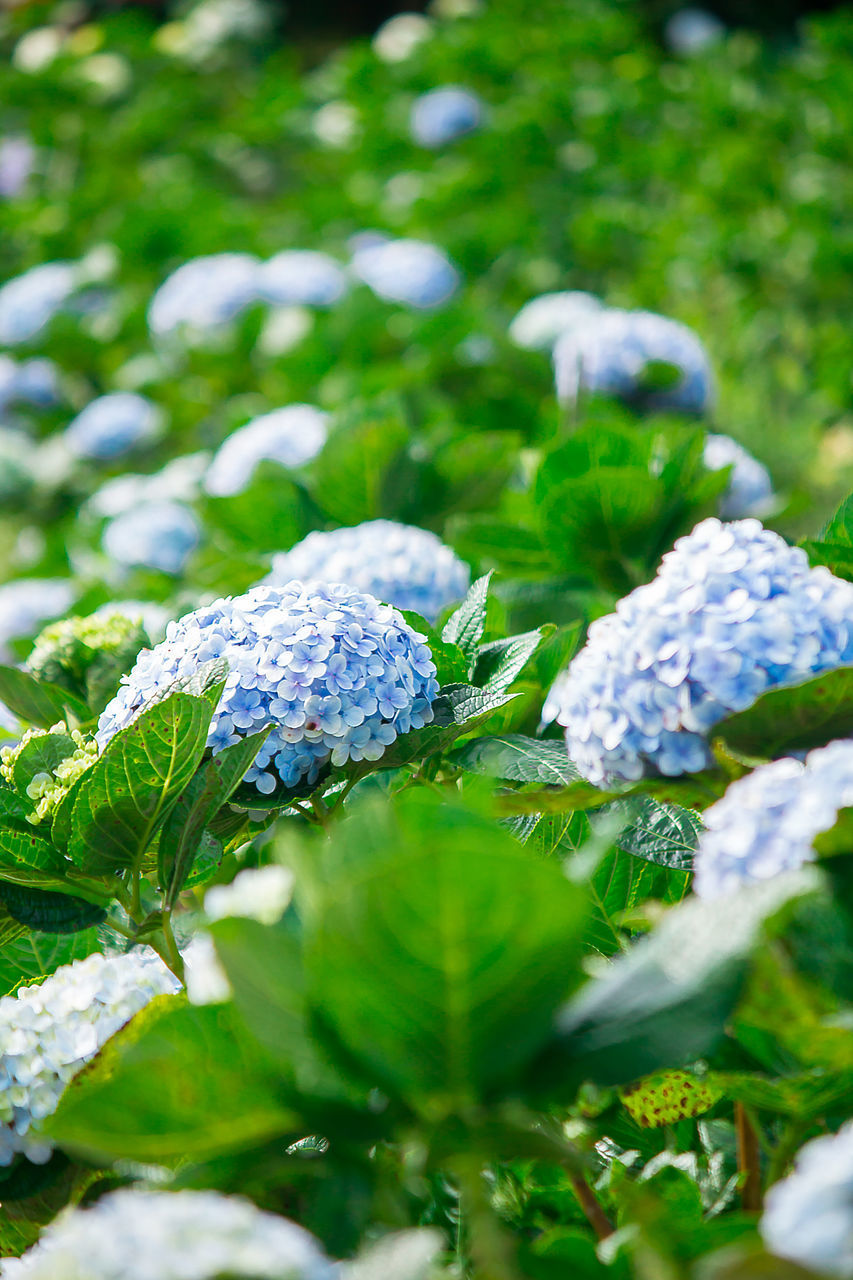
(668, 1096)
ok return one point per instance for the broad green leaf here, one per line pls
(32, 1196)
(10, 928)
(669, 1096)
(33, 956)
(350, 478)
(501, 661)
(618, 885)
(41, 755)
(46, 911)
(835, 556)
(465, 627)
(20, 852)
(177, 1082)
(518, 759)
(36, 702)
(810, 1093)
(129, 791)
(663, 833)
(839, 527)
(793, 717)
(438, 964)
(205, 795)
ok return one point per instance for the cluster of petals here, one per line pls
(733, 611)
(180, 480)
(49, 1030)
(750, 489)
(291, 436)
(335, 673)
(153, 535)
(413, 272)
(767, 821)
(141, 1234)
(611, 352)
(112, 424)
(30, 301)
(444, 114)
(32, 382)
(407, 567)
(544, 319)
(301, 277)
(808, 1216)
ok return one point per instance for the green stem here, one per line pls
(491, 1247)
(170, 952)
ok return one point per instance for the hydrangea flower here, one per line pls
(18, 467)
(155, 535)
(767, 821)
(204, 293)
(337, 674)
(29, 302)
(140, 1234)
(408, 271)
(113, 424)
(291, 436)
(179, 481)
(612, 351)
(808, 1216)
(49, 1030)
(27, 603)
(64, 652)
(691, 31)
(301, 277)
(445, 114)
(750, 489)
(732, 611)
(398, 38)
(543, 320)
(46, 789)
(405, 566)
(17, 157)
(34, 382)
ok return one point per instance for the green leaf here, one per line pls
(465, 627)
(835, 556)
(518, 759)
(129, 791)
(205, 795)
(793, 717)
(41, 755)
(501, 661)
(839, 527)
(408, 957)
(20, 853)
(36, 702)
(36, 955)
(618, 885)
(176, 1083)
(49, 912)
(661, 833)
(350, 478)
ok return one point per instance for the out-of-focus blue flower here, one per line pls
(692, 31)
(767, 821)
(17, 157)
(291, 436)
(179, 481)
(27, 603)
(407, 567)
(733, 611)
(543, 320)
(204, 293)
(29, 302)
(337, 674)
(444, 114)
(301, 277)
(611, 354)
(808, 1216)
(112, 425)
(750, 491)
(155, 535)
(408, 271)
(139, 1234)
(35, 382)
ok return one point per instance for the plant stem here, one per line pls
(748, 1159)
(170, 953)
(490, 1246)
(593, 1212)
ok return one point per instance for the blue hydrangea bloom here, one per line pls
(691, 31)
(291, 436)
(543, 320)
(17, 157)
(29, 302)
(408, 271)
(112, 425)
(337, 674)
(301, 277)
(154, 535)
(445, 114)
(808, 1216)
(204, 293)
(35, 382)
(27, 603)
(750, 489)
(407, 567)
(733, 611)
(609, 355)
(767, 821)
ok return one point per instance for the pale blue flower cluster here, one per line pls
(750, 489)
(543, 320)
(154, 535)
(767, 821)
(50, 1029)
(442, 115)
(291, 436)
(690, 31)
(808, 1216)
(337, 674)
(34, 382)
(301, 277)
(733, 611)
(30, 301)
(413, 272)
(204, 293)
(141, 1234)
(407, 567)
(27, 603)
(17, 157)
(611, 352)
(113, 424)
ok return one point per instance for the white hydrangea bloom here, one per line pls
(291, 436)
(204, 293)
(543, 320)
(301, 277)
(260, 893)
(138, 1234)
(398, 38)
(30, 301)
(48, 1032)
(205, 979)
(808, 1216)
(26, 603)
(179, 481)
(413, 272)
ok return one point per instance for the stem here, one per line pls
(135, 908)
(170, 953)
(321, 813)
(748, 1159)
(490, 1247)
(593, 1212)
